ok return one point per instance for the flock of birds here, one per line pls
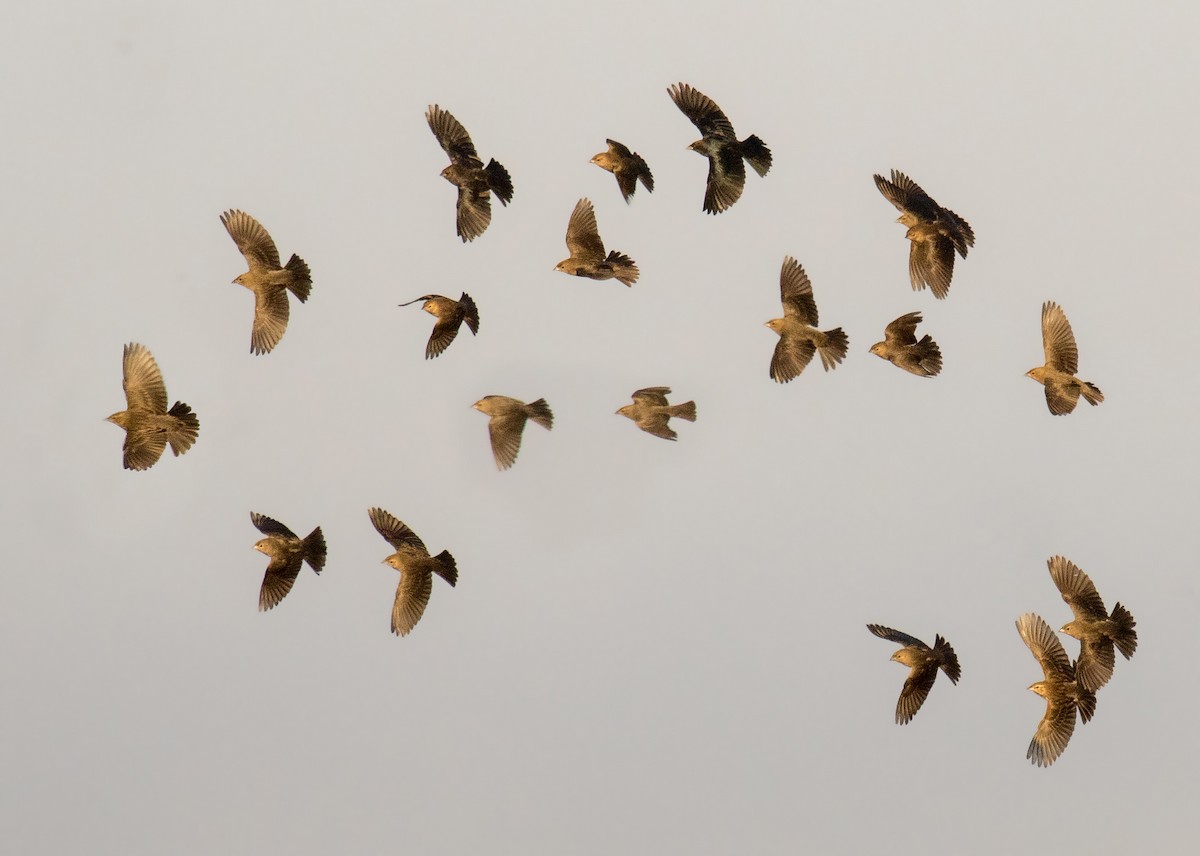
(936, 234)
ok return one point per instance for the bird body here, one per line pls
(450, 315)
(902, 349)
(416, 569)
(1063, 693)
(923, 663)
(651, 411)
(149, 425)
(475, 182)
(286, 551)
(587, 257)
(799, 338)
(1062, 361)
(627, 166)
(506, 423)
(935, 233)
(1097, 631)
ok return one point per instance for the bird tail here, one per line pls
(314, 550)
(624, 268)
(1086, 703)
(183, 433)
(470, 312)
(539, 412)
(960, 234)
(301, 282)
(446, 567)
(757, 154)
(1126, 637)
(645, 176)
(687, 411)
(949, 660)
(499, 181)
(929, 356)
(1092, 393)
(834, 349)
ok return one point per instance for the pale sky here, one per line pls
(653, 647)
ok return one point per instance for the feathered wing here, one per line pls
(452, 136)
(903, 331)
(792, 354)
(655, 395)
(931, 262)
(277, 582)
(1059, 341)
(270, 318)
(914, 692)
(142, 381)
(795, 293)
(269, 526)
(583, 235)
(395, 532)
(252, 241)
(1061, 398)
(895, 636)
(702, 111)
(412, 596)
(1076, 588)
(474, 213)
(908, 197)
(505, 431)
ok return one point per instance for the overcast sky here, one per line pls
(653, 647)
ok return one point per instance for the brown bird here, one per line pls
(507, 422)
(651, 411)
(935, 232)
(799, 337)
(287, 551)
(901, 348)
(450, 315)
(1063, 694)
(269, 282)
(475, 182)
(1062, 361)
(1096, 630)
(923, 662)
(719, 143)
(416, 569)
(587, 250)
(148, 425)
(627, 166)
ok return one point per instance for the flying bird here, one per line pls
(1096, 630)
(450, 315)
(269, 282)
(935, 233)
(416, 569)
(507, 421)
(719, 143)
(475, 182)
(651, 411)
(923, 663)
(1062, 361)
(286, 551)
(901, 348)
(148, 425)
(1062, 692)
(627, 166)
(587, 250)
(799, 337)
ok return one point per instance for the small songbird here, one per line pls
(1062, 361)
(1062, 692)
(627, 166)
(269, 282)
(416, 569)
(587, 250)
(450, 315)
(651, 411)
(799, 337)
(1096, 630)
(286, 551)
(901, 348)
(719, 143)
(148, 425)
(935, 233)
(507, 422)
(923, 662)
(475, 182)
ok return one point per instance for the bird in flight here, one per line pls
(475, 182)
(935, 232)
(1062, 361)
(148, 425)
(450, 315)
(587, 250)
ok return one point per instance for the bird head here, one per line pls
(240, 279)
(1072, 629)
(394, 561)
(877, 349)
(775, 324)
(1039, 688)
(121, 419)
(700, 147)
(1038, 374)
(263, 546)
(483, 405)
(627, 411)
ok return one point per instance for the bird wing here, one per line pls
(903, 331)
(444, 331)
(269, 526)
(412, 596)
(583, 235)
(702, 110)
(277, 582)
(252, 241)
(915, 691)
(1046, 648)
(653, 395)
(795, 292)
(931, 262)
(1096, 661)
(627, 181)
(896, 636)
(1058, 340)
(452, 136)
(792, 354)
(270, 317)
(619, 150)
(1076, 588)
(1061, 398)
(143, 383)
(1053, 732)
(143, 448)
(504, 431)
(474, 213)
(726, 178)
(395, 532)
(907, 196)
(656, 424)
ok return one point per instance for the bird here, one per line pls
(450, 315)
(269, 282)
(923, 662)
(148, 425)
(587, 250)
(506, 422)
(719, 143)
(286, 551)
(651, 411)
(1096, 630)
(1064, 695)
(799, 338)
(901, 348)
(475, 182)
(1062, 361)
(416, 569)
(627, 166)
(935, 233)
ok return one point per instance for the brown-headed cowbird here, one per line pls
(1096, 630)
(901, 348)
(1063, 694)
(1062, 361)
(148, 425)
(651, 411)
(627, 166)
(587, 250)
(507, 421)
(450, 315)
(923, 662)
(719, 143)
(799, 337)
(935, 233)
(416, 569)
(269, 282)
(286, 551)
(475, 182)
